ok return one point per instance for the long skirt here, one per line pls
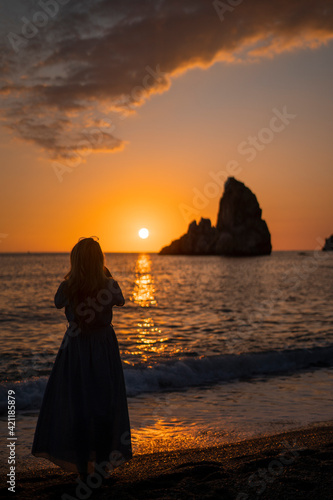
(83, 420)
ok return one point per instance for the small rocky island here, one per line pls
(328, 244)
(240, 230)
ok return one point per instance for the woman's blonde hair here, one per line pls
(88, 272)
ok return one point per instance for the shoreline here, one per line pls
(291, 465)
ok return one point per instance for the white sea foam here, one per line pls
(188, 372)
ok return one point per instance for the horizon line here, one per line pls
(153, 252)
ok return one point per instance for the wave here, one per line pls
(188, 372)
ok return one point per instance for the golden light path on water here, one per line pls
(159, 434)
(144, 287)
(148, 338)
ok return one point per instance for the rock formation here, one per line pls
(328, 244)
(240, 230)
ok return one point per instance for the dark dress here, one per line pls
(84, 418)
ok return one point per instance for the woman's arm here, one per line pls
(117, 295)
(60, 298)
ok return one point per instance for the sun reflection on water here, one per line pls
(148, 338)
(144, 288)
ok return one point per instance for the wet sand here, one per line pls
(290, 465)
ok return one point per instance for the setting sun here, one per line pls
(143, 233)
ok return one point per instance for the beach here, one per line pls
(289, 465)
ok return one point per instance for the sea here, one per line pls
(214, 349)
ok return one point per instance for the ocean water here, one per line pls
(214, 349)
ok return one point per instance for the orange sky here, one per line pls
(154, 161)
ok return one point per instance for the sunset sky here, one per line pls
(119, 115)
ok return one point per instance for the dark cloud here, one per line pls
(63, 75)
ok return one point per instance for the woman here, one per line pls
(83, 425)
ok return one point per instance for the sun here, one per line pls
(143, 233)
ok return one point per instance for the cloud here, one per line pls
(67, 65)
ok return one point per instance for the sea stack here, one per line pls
(328, 244)
(240, 230)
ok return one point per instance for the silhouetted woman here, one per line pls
(83, 425)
